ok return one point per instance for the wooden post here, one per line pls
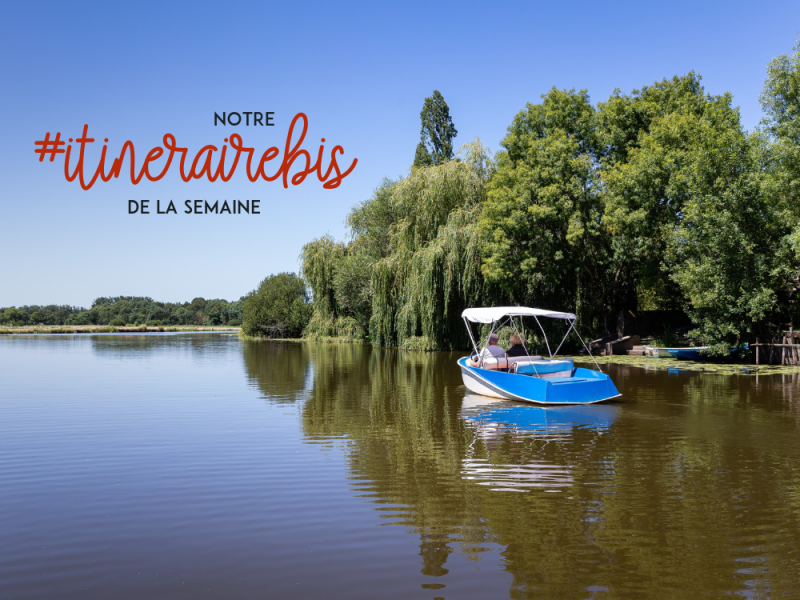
(783, 350)
(758, 349)
(771, 349)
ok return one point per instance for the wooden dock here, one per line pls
(778, 351)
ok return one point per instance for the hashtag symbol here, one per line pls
(48, 146)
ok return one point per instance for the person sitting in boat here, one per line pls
(492, 350)
(516, 348)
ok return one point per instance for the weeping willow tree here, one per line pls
(431, 271)
(325, 262)
(412, 263)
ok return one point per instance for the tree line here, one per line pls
(653, 199)
(119, 311)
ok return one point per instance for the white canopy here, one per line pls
(491, 314)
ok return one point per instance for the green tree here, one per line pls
(320, 260)
(422, 158)
(436, 133)
(277, 308)
(352, 286)
(198, 305)
(14, 317)
(372, 222)
(431, 267)
(642, 144)
(728, 250)
(545, 243)
(780, 101)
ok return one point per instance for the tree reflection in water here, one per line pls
(279, 370)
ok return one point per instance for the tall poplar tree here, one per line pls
(436, 134)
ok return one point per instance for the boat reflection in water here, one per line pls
(510, 448)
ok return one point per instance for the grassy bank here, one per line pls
(321, 339)
(53, 329)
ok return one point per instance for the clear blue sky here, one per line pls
(359, 70)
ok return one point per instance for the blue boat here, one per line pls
(695, 353)
(530, 378)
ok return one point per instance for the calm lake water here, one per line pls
(202, 466)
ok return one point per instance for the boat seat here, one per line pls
(558, 380)
(503, 363)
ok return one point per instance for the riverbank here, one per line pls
(53, 329)
(648, 362)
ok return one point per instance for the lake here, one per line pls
(204, 466)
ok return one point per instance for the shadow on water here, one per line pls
(690, 484)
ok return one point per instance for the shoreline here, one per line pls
(630, 360)
(72, 329)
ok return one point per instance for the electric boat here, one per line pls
(530, 378)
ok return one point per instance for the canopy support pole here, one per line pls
(472, 339)
(571, 326)
(545, 337)
(587, 350)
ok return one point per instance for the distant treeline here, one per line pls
(128, 310)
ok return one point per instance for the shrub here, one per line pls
(321, 327)
(277, 308)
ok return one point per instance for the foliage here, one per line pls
(127, 310)
(422, 158)
(277, 308)
(645, 200)
(780, 101)
(325, 328)
(372, 222)
(727, 248)
(656, 197)
(413, 261)
(436, 134)
(431, 270)
(320, 259)
(545, 243)
(339, 278)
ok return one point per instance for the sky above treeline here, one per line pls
(359, 71)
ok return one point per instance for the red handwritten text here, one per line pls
(296, 165)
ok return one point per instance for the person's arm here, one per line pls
(476, 362)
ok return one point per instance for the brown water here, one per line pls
(201, 466)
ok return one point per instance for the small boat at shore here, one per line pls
(657, 352)
(696, 353)
(530, 378)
